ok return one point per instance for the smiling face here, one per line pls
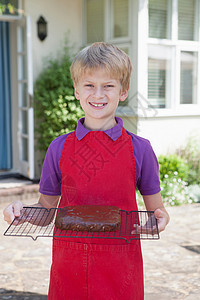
(99, 94)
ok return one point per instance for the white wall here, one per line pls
(167, 134)
(64, 18)
(61, 16)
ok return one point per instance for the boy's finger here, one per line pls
(8, 214)
(12, 211)
(17, 207)
(159, 213)
(162, 219)
(144, 230)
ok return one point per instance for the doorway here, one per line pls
(5, 98)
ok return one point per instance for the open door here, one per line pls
(5, 99)
(25, 96)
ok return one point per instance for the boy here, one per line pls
(99, 164)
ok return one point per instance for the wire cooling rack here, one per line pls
(37, 222)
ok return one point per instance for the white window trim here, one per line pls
(108, 24)
(110, 21)
(173, 106)
(137, 43)
(174, 20)
(26, 167)
(123, 42)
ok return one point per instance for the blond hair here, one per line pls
(102, 55)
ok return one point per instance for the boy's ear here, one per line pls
(123, 95)
(76, 93)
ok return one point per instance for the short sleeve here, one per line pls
(148, 181)
(51, 177)
(147, 168)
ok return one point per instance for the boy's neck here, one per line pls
(96, 125)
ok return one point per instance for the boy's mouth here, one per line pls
(98, 105)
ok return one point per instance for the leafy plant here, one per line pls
(175, 191)
(2, 8)
(56, 109)
(173, 174)
(191, 154)
(175, 177)
(195, 192)
(171, 164)
(8, 8)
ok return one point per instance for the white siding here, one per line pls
(167, 134)
(62, 16)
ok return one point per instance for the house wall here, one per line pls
(62, 16)
(64, 20)
(168, 129)
(168, 134)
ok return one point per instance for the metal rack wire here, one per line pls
(37, 222)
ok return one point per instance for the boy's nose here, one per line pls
(98, 93)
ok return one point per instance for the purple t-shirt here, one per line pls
(147, 169)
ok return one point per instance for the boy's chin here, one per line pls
(100, 122)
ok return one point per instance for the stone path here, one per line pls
(172, 271)
(24, 265)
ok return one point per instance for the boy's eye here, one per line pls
(109, 86)
(89, 85)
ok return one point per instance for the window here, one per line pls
(158, 19)
(186, 20)
(156, 82)
(115, 27)
(9, 7)
(158, 75)
(188, 77)
(95, 21)
(173, 62)
(120, 19)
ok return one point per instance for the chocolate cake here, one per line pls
(92, 218)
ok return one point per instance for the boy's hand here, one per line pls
(150, 226)
(13, 210)
(162, 219)
(155, 203)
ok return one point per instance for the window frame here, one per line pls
(110, 20)
(121, 42)
(169, 19)
(108, 12)
(177, 47)
(196, 20)
(138, 42)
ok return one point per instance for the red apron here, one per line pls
(98, 171)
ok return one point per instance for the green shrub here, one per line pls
(56, 109)
(169, 164)
(195, 192)
(174, 174)
(175, 191)
(191, 154)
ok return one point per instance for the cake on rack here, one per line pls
(91, 218)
